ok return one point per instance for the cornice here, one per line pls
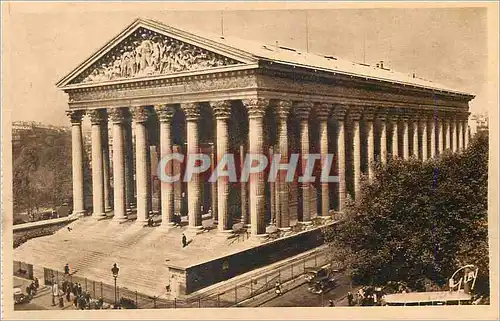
(356, 81)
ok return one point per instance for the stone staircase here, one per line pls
(143, 254)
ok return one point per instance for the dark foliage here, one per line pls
(417, 222)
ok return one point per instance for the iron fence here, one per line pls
(232, 295)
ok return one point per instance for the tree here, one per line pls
(417, 222)
(42, 170)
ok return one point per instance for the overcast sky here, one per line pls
(448, 46)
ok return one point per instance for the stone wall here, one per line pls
(221, 269)
(24, 232)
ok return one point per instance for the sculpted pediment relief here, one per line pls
(148, 53)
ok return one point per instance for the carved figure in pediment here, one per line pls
(147, 53)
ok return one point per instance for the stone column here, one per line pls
(192, 111)
(449, 142)
(382, 117)
(425, 139)
(245, 218)
(165, 114)
(283, 214)
(140, 117)
(339, 115)
(222, 110)
(177, 185)
(442, 138)
(394, 136)
(323, 113)
(119, 197)
(129, 163)
(453, 135)
(466, 134)
(414, 133)
(108, 195)
(406, 138)
(434, 131)
(460, 137)
(77, 161)
(256, 109)
(97, 119)
(356, 142)
(369, 118)
(302, 110)
(213, 186)
(272, 190)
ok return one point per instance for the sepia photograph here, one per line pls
(241, 160)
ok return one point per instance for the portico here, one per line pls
(152, 72)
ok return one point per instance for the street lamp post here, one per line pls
(115, 271)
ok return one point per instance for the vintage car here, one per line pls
(19, 296)
(320, 279)
(318, 273)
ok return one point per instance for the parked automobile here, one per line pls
(317, 274)
(321, 286)
(19, 296)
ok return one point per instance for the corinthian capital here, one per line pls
(256, 107)
(117, 115)
(302, 109)
(97, 116)
(323, 111)
(221, 109)
(164, 112)
(191, 110)
(75, 116)
(283, 108)
(139, 114)
(339, 112)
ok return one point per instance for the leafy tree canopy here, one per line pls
(417, 222)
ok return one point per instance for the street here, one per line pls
(301, 297)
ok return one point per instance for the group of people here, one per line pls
(369, 296)
(81, 299)
(33, 287)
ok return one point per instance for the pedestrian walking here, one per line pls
(37, 283)
(184, 240)
(350, 299)
(277, 288)
(66, 269)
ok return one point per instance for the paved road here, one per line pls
(28, 306)
(301, 297)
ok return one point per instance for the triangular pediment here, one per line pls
(149, 49)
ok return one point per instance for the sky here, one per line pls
(44, 43)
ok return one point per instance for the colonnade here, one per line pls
(384, 133)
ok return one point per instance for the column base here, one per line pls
(100, 216)
(224, 233)
(258, 238)
(78, 213)
(119, 219)
(167, 226)
(141, 222)
(285, 229)
(108, 209)
(195, 229)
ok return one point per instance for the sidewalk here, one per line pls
(44, 296)
(229, 285)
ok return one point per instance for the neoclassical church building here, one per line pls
(154, 90)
